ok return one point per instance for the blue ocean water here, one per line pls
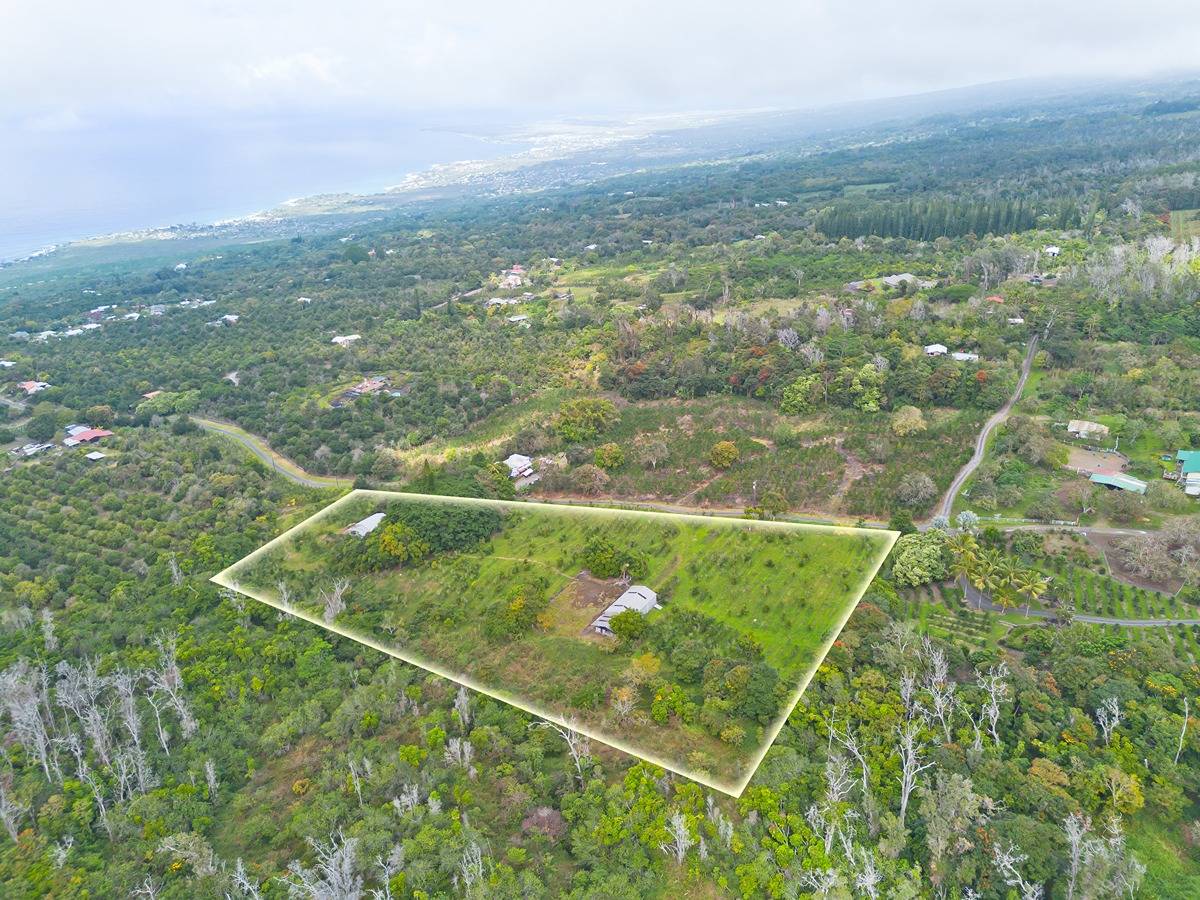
(91, 179)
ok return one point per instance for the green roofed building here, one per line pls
(1119, 483)
(1189, 461)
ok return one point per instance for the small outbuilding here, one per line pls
(936, 349)
(1086, 429)
(1116, 482)
(365, 527)
(637, 597)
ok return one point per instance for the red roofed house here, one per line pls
(995, 298)
(86, 436)
(32, 387)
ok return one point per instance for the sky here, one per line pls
(69, 64)
(125, 114)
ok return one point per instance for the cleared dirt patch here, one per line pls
(1089, 461)
(1106, 544)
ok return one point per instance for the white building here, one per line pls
(936, 350)
(365, 527)
(519, 466)
(1085, 429)
(963, 356)
(345, 340)
(1052, 250)
(637, 597)
(1015, 320)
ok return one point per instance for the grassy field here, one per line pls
(774, 592)
(1185, 224)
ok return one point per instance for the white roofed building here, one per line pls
(365, 527)
(637, 597)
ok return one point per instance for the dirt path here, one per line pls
(981, 442)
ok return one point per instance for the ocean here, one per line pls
(83, 180)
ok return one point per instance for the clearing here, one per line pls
(501, 597)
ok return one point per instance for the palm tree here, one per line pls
(1032, 584)
(1004, 581)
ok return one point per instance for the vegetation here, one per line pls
(164, 737)
(509, 594)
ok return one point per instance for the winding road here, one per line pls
(263, 452)
(981, 442)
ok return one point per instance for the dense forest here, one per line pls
(784, 335)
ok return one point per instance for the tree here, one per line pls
(651, 450)
(908, 420)
(919, 558)
(42, 427)
(902, 521)
(802, 395)
(333, 877)
(628, 625)
(723, 454)
(916, 489)
(583, 418)
(609, 456)
(590, 479)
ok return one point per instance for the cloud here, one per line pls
(211, 55)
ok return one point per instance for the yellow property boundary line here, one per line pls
(227, 579)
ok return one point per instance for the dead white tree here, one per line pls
(680, 839)
(459, 752)
(158, 703)
(819, 881)
(994, 684)
(355, 778)
(149, 889)
(333, 877)
(1075, 828)
(334, 600)
(1108, 717)
(908, 694)
(61, 850)
(192, 849)
(850, 743)
(49, 638)
(828, 817)
(242, 883)
(866, 874)
(941, 689)
(167, 679)
(11, 809)
(720, 821)
(1007, 860)
(210, 778)
(578, 745)
(285, 594)
(22, 699)
(470, 867)
(176, 572)
(81, 690)
(909, 750)
(408, 798)
(389, 866)
(462, 708)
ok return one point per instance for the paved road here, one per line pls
(269, 457)
(976, 600)
(981, 442)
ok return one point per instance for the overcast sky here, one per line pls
(83, 61)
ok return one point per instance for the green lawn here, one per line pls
(1185, 223)
(774, 592)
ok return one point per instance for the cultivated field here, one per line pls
(502, 596)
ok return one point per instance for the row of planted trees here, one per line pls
(1001, 577)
